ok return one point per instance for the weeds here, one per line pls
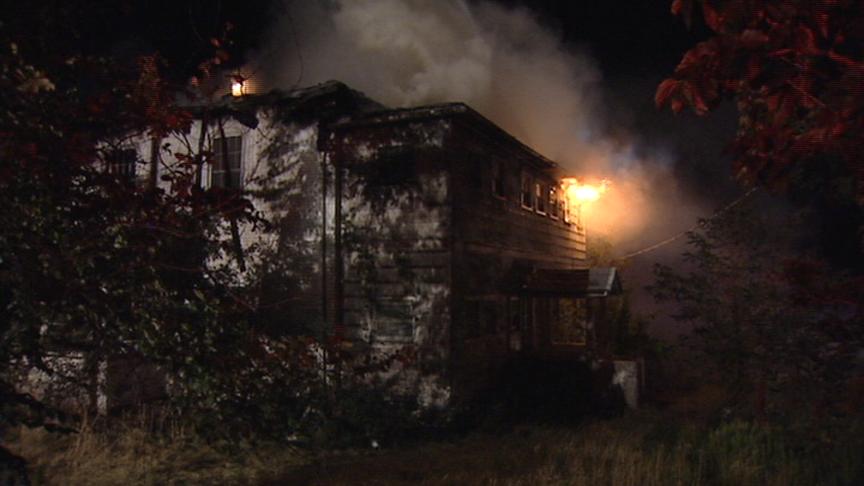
(633, 450)
(640, 449)
(143, 449)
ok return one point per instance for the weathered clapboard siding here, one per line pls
(496, 241)
(394, 213)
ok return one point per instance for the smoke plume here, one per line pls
(503, 63)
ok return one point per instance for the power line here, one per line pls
(696, 226)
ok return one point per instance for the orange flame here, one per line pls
(579, 193)
(237, 88)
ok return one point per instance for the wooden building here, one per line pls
(426, 229)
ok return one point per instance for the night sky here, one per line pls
(637, 44)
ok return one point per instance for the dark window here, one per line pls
(122, 163)
(569, 319)
(475, 177)
(514, 324)
(527, 194)
(218, 176)
(541, 197)
(553, 202)
(499, 180)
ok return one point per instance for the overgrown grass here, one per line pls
(143, 450)
(641, 449)
(635, 450)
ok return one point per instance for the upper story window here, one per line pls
(563, 206)
(499, 180)
(121, 163)
(553, 202)
(219, 177)
(540, 196)
(527, 195)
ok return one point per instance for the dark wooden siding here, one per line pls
(395, 238)
(496, 242)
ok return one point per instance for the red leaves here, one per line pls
(823, 22)
(683, 8)
(805, 41)
(794, 71)
(694, 83)
(664, 91)
(752, 39)
(677, 93)
(713, 18)
(754, 68)
(696, 98)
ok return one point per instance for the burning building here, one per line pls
(425, 229)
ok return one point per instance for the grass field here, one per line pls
(638, 449)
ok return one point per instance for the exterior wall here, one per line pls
(498, 242)
(283, 172)
(395, 231)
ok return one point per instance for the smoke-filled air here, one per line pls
(503, 63)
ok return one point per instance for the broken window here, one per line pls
(527, 194)
(569, 319)
(540, 196)
(121, 163)
(218, 175)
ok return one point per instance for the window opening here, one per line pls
(499, 181)
(121, 163)
(527, 196)
(569, 319)
(218, 176)
(540, 196)
(553, 202)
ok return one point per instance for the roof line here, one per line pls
(438, 110)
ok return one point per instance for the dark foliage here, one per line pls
(771, 322)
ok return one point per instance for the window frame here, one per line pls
(122, 163)
(540, 197)
(582, 314)
(526, 181)
(554, 206)
(216, 162)
(498, 180)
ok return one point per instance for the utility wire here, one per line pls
(696, 226)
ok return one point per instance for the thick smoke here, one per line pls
(503, 63)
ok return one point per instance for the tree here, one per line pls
(794, 70)
(97, 264)
(91, 261)
(778, 328)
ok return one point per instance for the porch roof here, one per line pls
(581, 282)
